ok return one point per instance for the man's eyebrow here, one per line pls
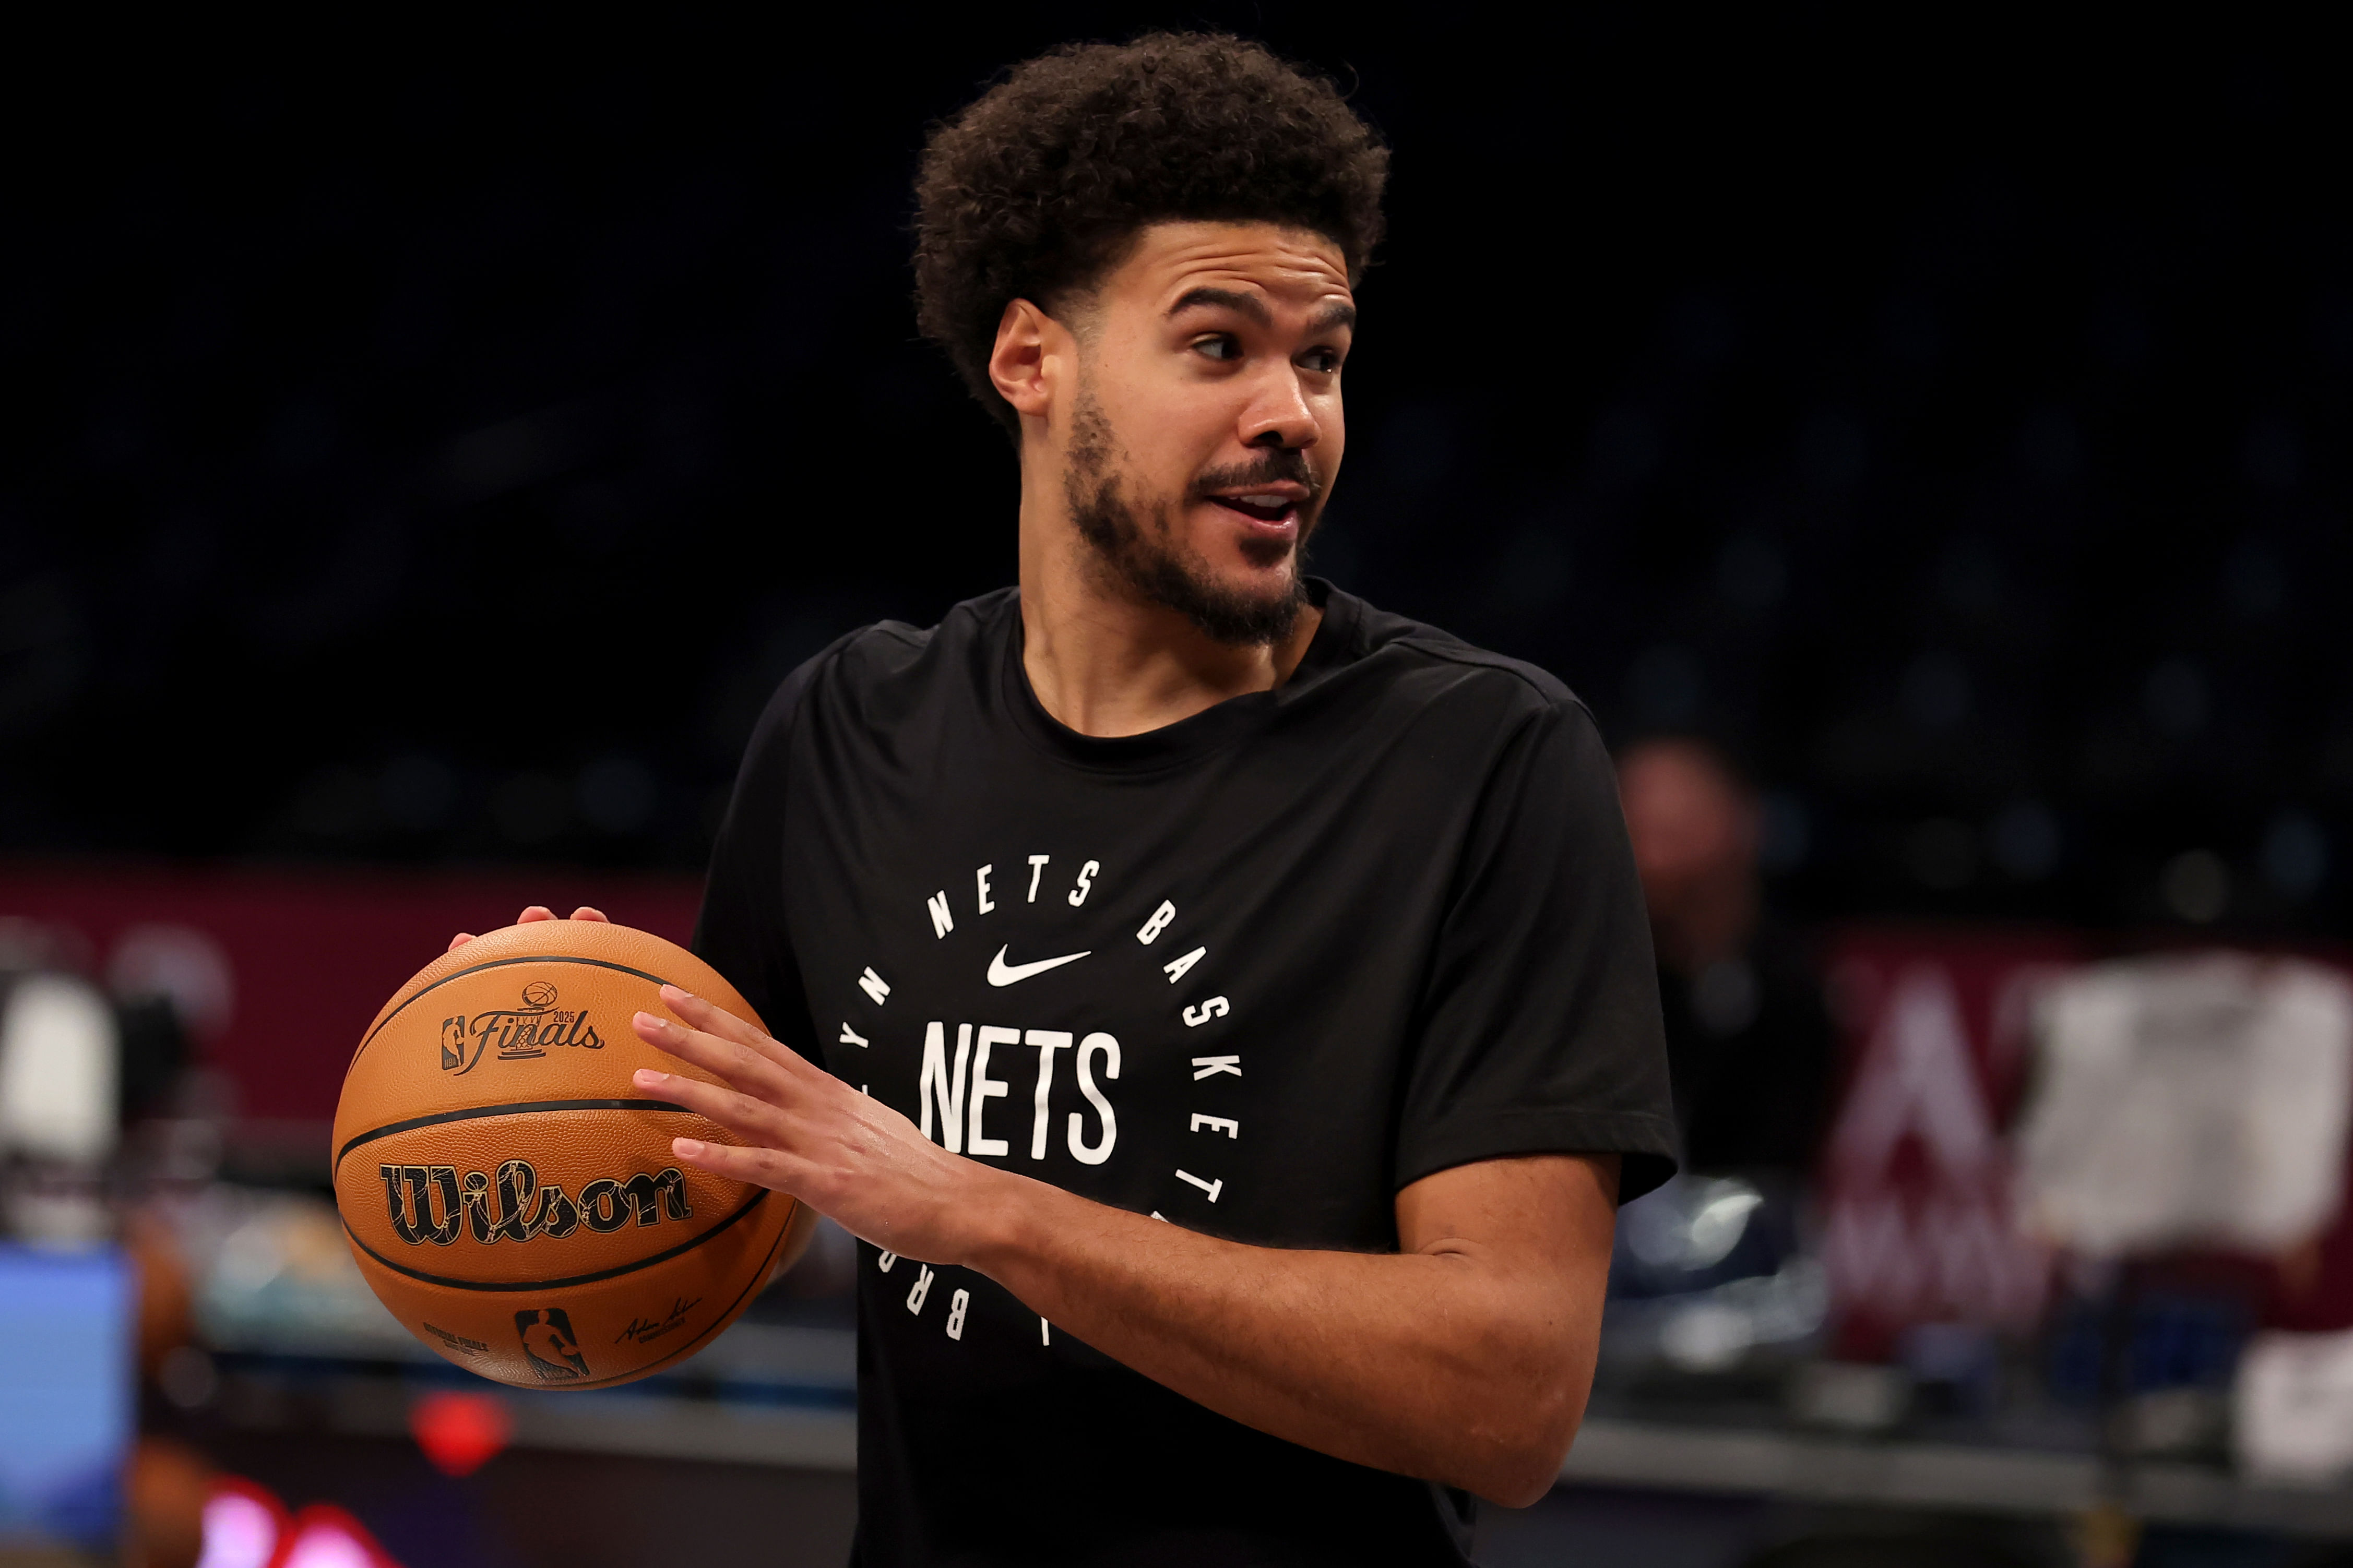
(1332, 317)
(1250, 305)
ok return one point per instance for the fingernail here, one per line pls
(647, 1021)
(646, 1078)
(676, 993)
(686, 1148)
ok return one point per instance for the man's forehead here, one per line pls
(1294, 267)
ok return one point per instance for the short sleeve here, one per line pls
(1539, 1030)
(741, 930)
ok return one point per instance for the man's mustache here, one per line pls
(1280, 466)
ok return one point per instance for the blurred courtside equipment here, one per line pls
(507, 1193)
(66, 1339)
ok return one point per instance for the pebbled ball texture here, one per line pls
(508, 1194)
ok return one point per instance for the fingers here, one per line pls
(760, 1167)
(746, 1115)
(744, 1066)
(534, 914)
(713, 1019)
(460, 939)
(584, 913)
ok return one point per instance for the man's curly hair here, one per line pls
(1039, 187)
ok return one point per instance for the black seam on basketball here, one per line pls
(759, 1278)
(515, 1108)
(499, 963)
(759, 1196)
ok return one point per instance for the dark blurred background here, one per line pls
(433, 448)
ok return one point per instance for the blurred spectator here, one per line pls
(1748, 1039)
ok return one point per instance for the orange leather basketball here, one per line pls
(507, 1191)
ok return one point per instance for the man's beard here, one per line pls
(1141, 551)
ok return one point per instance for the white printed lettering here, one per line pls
(1161, 1217)
(935, 1084)
(1037, 869)
(985, 1089)
(1212, 1188)
(1209, 1066)
(980, 881)
(1047, 1042)
(956, 1304)
(1215, 1007)
(873, 986)
(943, 923)
(1176, 970)
(1157, 923)
(923, 1285)
(1081, 1151)
(1086, 882)
(885, 1261)
(850, 1037)
(1045, 1333)
(1215, 1124)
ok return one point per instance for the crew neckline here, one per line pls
(1215, 727)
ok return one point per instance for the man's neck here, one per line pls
(1103, 662)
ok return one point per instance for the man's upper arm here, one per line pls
(1547, 1219)
(1539, 1029)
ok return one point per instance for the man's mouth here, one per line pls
(1272, 507)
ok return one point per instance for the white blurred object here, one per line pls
(240, 1532)
(2188, 1101)
(58, 1058)
(2293, 1408)
(182, 964)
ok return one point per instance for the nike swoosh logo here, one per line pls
(1003, 973)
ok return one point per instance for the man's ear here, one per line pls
(1023, 364)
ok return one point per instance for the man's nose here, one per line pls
(1279, 414)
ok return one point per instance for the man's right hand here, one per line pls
(536, 912)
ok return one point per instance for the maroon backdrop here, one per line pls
(284, 969)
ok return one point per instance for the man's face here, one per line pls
(1207, 429)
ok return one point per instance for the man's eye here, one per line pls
(1324, 360)
(1219, 346)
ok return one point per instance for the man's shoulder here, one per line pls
(881, 668)
(1414, 659)
(885, 652)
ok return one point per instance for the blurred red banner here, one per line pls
(277, 972)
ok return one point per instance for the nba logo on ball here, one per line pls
(548, 1342)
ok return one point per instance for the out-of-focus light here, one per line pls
(532, 807)
(460, 1433)
(2296, 854)
(1785, 833)
(1941, 853)
(1935, 694)
(325, 1536)
(2025, 841)
(615, 794)
(243, 1525)
(1664, 685)
(416, 792)
(1750, 574)
(2254, 580)
(2197, 886)
(2174, 698)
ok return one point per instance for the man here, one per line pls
(1236, 1017)
(1748, 1039)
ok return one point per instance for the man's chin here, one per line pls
(1246, 609)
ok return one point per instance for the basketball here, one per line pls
(511, 1197)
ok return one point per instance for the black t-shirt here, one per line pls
(1251, 974)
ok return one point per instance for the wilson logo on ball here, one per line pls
(435, 1204)
(518, 1033)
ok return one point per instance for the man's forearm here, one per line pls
(1438, 1363)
